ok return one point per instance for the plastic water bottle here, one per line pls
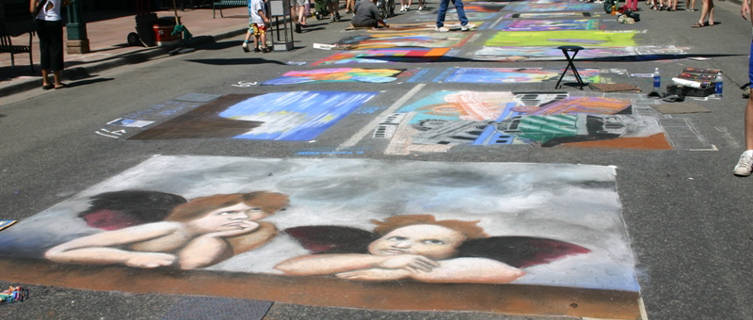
(657, 80)
(718, 86)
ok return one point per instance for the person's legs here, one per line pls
(704, 12)
(44, 52)
(56, 53)
(461, 12)
(745, 163)
(442, 12)
(711, 12)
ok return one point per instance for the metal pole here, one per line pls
(77, 42)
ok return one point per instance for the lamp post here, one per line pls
(77, 42)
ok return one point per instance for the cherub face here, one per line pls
(230, 217)
(431, 241)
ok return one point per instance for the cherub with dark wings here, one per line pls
(421, 248)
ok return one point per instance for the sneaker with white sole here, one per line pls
(420, 8)
(441, 29)
(745, 164)
(467, 27)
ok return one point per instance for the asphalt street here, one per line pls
(687, 216)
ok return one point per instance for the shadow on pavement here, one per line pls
(88, 81)
(229, 62)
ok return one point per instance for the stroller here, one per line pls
(321, 9)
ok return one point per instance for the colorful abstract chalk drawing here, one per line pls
(445, 119)
(337, 75)
(403, 40)
(555, 6)
(452, 16)
(546, 15)
(511, 75)
(295, 115)
(615, 53)
(548, 25)
(384, 56)
(270, 225)
(584, 38)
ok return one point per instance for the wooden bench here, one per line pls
(7, 46)
(227, 3)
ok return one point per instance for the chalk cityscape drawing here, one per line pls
(445, 119)
(256, 216)
(336, 75)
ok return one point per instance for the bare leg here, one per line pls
(704, 12)
(45, 80)
(711, 12)
(56, 76)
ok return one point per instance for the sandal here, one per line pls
(698, 25)
(46, 86)
(61, 86)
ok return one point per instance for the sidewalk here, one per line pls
(109, 48)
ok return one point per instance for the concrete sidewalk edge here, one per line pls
(124, 59)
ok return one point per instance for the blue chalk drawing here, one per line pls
(296, 115)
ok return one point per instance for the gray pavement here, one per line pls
(685, 213)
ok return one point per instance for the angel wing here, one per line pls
(332, 239)
(520, 252)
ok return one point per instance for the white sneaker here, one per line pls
(441, 29)
(420, 8)
(467, 27)
(403, 9)
(745, 164)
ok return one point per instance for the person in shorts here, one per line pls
(258, 22)
(745, 164)
(299, 11)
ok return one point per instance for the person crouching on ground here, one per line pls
(257, 27)
(367, 15)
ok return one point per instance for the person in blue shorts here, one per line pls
(745, 164)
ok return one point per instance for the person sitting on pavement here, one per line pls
(367, 15)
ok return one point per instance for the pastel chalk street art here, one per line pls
(584, 38)
(547, 15)
(552, 7)
(293, 116)
(445, 119)
(374, 234)
(629, 53)
(338, 75)
(385, 56)
(511, 75)
(403, 40)
(548, 25)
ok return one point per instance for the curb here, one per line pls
(143, 55)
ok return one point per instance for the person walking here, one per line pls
(49, 24)
(464, 25)
(745, 163)
(707, 12)
(299, 11)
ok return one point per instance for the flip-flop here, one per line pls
(46, 86)
(61, 86)
(698, 25)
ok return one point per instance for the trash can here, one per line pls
(163, 31)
